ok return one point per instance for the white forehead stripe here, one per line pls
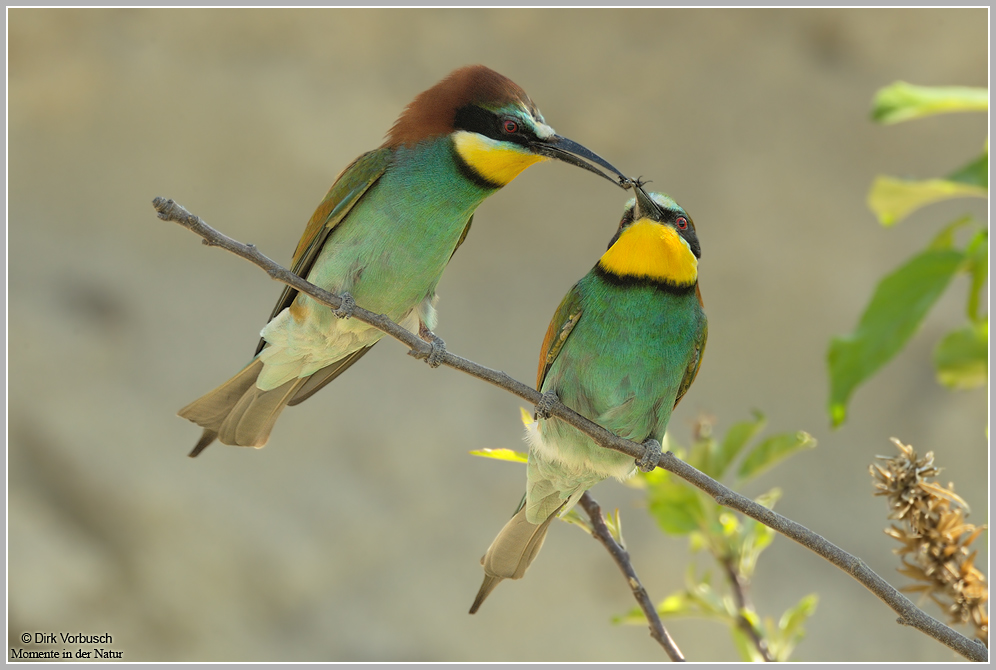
(543, 131)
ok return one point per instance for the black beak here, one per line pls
(645, 206)
(571, 152)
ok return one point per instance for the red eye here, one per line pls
(510, 126)
(681, 222)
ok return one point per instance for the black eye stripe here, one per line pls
(474, 119)
(484, 122)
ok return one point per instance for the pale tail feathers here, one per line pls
(211, 409)
(207, 437)
(510, 554)
(237, 412)
(241, 414)
(254, 415)
(486, 588)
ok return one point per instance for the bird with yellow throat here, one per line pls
(381, 238)
(622, 350)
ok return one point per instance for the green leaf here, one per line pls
(783, 640)
(977, 256)
(705, 601)
(501, 455)
(752, 618)
(745, 646)
(975, 173)
(698, 599)
(900, 303)
(614, 524)
(892, 199)
(755, 541)
(736, 437)
(728, 523)
(697, 541)
(901, 101)
(962, 357)
(676, 506)
(676, 604)
(945, 239)
(633, 617)
(794, 617)
(572, 517)
(757, 537)
(772, 450)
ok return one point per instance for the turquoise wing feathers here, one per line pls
(347, 190)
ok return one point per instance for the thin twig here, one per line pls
(909, 614)
(601, 533)
(743, 603)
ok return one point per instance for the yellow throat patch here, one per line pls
(652, 250)
(497, 162)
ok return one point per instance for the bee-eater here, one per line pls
(622, 349)
(383, 235)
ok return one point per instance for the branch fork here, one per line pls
(909, 614)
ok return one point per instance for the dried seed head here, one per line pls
(935, 537)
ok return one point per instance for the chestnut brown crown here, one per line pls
(433, 111)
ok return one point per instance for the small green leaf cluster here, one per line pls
(903, 298)
(735, 542)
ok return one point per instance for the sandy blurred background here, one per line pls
(356, 534)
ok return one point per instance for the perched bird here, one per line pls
(383, 235)
(622, 349)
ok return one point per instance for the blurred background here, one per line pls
(355, 535)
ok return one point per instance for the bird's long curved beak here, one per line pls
(645, 206)
(571, 152)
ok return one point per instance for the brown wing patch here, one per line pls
(463, 235)
(693, 365)
(321, 216)
(554, 342)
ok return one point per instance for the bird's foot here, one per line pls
(345, 307)
(651, 455)
(437, 347)
(546, 403)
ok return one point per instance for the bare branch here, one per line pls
(601, 533)
(743, 603)
(909, 614)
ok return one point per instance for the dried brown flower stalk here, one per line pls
(935, 537)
